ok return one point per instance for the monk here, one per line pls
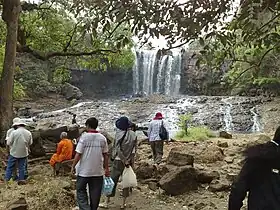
(64, 150)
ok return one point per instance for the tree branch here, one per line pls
(47, 56)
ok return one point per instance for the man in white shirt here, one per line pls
(19, 142)
(154, 138)
(92, 156)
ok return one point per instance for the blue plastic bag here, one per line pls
(108, 185)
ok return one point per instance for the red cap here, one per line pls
(158, 116)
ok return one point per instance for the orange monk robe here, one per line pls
(64, 152)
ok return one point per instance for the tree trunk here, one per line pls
(11, 11)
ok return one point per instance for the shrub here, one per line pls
(199, 133)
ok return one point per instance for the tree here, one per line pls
(11, 11)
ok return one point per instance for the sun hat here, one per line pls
(123, 123)
(17, 121)
(158, 116)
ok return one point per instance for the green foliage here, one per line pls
(199, 133)
(183, 119)
(61, 75)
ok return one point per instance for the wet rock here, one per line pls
(219, 186)
(223, 144)
(19, 204)
(71, 92)
(179, 181)
(204, 177)
(180, 157)
(226, 135)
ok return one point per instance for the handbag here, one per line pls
(128, 178)
(108, 185)
(163, 133)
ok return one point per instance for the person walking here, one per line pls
(260, 177)
(92, 159)
(19, 142)
(123, 154)
(155, 140)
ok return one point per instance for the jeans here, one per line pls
(95, 185)
(22, 162)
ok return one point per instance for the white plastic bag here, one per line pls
(128, 178)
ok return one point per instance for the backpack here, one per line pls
(114, 149)
(163, 133)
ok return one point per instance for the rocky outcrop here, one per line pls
(179, 157)
(71, 92)
(179, 181)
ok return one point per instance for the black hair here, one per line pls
(92, 123)
(74, 115)
(277, 135)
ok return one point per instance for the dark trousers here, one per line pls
(95, 185)
(117, 171)
(157, 149)
(21, 164)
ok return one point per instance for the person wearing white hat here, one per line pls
(19, 142)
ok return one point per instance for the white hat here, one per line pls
(17, 121)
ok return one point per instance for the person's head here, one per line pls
(277, 135)
(74, 115)
(123, 123)
(92, 123)
(158, 116)
(63, 135)
(17, 122)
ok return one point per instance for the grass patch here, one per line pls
(199, 133)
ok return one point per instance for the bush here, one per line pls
(199, 133)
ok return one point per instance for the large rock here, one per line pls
(145, 171)
(226, 135)
(211, 154)
(179, 157)
(53, 134)
(179, 181)
(71, 92)
(37, 149)
(204, 177)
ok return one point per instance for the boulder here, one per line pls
(19, 204)
(179, 157)
(145, 171)
(53, 134)
(73, 132)
(204, 177)
(37, 149)
(211, 154)
(71, 92)
(179, 181)
(226, 135)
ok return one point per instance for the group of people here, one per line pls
(260, 174)
(90, 156)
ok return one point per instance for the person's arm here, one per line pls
(79, 151)
(31, 139)
(149, 130)
(105, 150)
(10, 140)
(59, 147)
(240, 187)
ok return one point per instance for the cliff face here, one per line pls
(111, 83)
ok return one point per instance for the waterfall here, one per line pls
(256, 127)
(227, 118)
(155, 72)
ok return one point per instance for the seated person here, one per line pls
(64, 150)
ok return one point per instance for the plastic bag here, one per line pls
(108, 185)
(128, 178)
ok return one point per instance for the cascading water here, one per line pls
(155, 72)
(227, 118)
(256, 127)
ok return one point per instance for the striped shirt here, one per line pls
(154, 128)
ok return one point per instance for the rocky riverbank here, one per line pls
(215, 163)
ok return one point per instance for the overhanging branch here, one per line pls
(47, 56)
